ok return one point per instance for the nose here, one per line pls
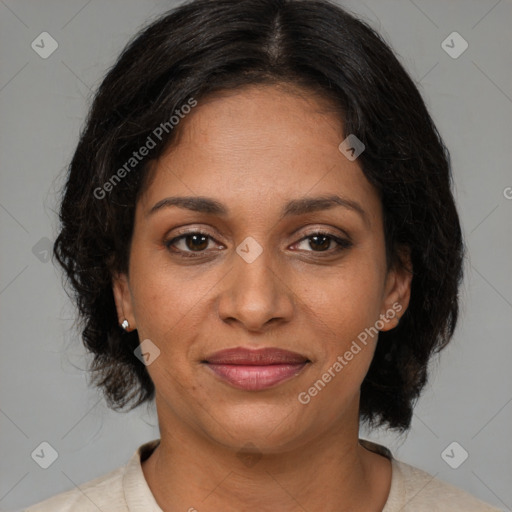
(256, 294)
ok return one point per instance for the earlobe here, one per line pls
(123, 300)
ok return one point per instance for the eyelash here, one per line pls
(342, 243)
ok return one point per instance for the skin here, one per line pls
(253, 150)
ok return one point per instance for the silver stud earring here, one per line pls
(125, 324)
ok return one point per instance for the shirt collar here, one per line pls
(137, 494)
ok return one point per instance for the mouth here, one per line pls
(255, 370)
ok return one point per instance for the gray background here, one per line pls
(43, 387)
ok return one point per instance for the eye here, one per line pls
(193, 242)
(322, 241)
(197, 242)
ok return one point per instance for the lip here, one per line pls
(261, 356)
(254, 370)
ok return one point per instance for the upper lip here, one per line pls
(262, 356)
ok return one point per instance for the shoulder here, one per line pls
(121, 490)
(102, 493)
(419, 491)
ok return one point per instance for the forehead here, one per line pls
(259, 145)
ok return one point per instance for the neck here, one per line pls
(330, 472)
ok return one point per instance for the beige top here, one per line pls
(125, 490)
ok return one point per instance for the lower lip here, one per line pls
(255, 378)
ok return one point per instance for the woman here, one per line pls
(260, 233)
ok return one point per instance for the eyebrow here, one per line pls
(294, 207)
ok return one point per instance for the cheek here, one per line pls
(170, 306)
(342, 366)
(347, 300)
(345, 309)
(166, 310)
(161, 295)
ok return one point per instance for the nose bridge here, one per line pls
(256, 292)
(254, 266)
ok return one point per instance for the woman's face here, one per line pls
(256, 280)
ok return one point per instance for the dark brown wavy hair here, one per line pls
(205, 46)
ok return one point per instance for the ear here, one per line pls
(397, 291)
(123, 300)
